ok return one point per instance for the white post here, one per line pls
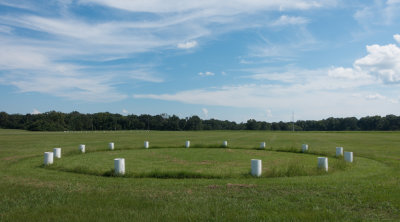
(187, 144)
(262, 145)
(348, 157)
(48, 158)
(119, 166)
(111, 146)
(57, 152)
(256, 167)
(304, 148)
(323, 163)
(146, 144)
(339, 151)
(82, 148)
(225, 144)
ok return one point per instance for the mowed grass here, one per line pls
(193, 163)
(217, 185)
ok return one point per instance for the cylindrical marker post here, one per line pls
(111, 146)
(225, 144)
(304, 148)
(348, 157)
(119, 166)
(262, 145)
(82, 148)
(57, 152)
(48, 158)
(187, 145)
(256, 167)
(323, 163)
(339, 151)
(146, 144)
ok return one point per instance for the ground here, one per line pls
(203, 183)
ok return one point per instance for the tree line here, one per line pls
(75, 121)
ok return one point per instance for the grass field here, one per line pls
(203, 183)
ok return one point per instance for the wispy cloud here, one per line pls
(53, 56)
(145, 74)
(378, 13)
(5, 29)
(187, 45)
(326, 89)
(35, 111)
(289, 20)
(375, 96)
(205, 112)
(159, 6)
(397, 38)
(206, 73)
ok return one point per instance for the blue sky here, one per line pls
(231, 60)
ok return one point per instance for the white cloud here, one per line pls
(125, 112)
(309, 104)
(318, 93)
(375, 96)
(289, 20)
(74, 88)
(206, 73)
(270, 50)
(381, 61)
(378, 13)
(37, 63)
(397, 38)
(346, 73)
(187, 45)
(145, 74)
(5, 29)
(160, 6)
(30, 69)
(35, 112)
(19, 57)
(205, 112)
(269, 113)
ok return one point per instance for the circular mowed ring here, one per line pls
(195, 163)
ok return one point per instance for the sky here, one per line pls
(225, 59)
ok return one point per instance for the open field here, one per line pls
(204, 183)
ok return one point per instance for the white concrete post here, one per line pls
(225, 144)
(119, 166)
(339, 151)
(323, 163)
(348, 157)
(82, 148)
(57, 152)
(111, 146)
(48, 158)
(187, 145)
(304, 148)
(146, 144)
(256, 167)
(262, 145)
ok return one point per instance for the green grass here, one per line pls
(203, 183)
(192, 163)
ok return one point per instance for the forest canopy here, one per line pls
(75, 121)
